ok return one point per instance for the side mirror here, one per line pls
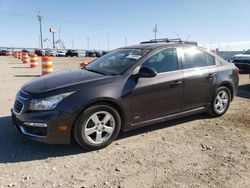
(147, 72)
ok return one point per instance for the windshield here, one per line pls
(247, 52)
(117, 61)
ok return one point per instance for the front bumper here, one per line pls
(50, 134)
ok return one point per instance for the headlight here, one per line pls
(48, 103)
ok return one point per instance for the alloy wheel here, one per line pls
(99, 127)
(221, 102)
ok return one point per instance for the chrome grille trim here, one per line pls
(14, 108)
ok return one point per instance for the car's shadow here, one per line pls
(15, 148)
(27, 75)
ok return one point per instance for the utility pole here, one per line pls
(177, 34)
(108, 41)
(53, 31)
(72, 41)
(155, 30)
(39, 41)
(125, 41)
(210, 43)
(40, 23)
(87, 43)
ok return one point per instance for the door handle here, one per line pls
(176, 83)
(210, 76)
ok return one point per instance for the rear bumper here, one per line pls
(49, 134)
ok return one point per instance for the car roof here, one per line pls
(152, 46)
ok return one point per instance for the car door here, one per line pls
(199, 77)
(161, 95)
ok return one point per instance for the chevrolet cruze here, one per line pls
(128, 88)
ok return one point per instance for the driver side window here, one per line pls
(163, 61)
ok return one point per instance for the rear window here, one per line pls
(193, 58)
(210, 60)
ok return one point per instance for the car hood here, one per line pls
(63, 82)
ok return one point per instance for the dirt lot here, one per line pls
(192, 152)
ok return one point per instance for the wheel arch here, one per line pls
(108, 102)
(229, 86)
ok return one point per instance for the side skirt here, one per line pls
(166, 118)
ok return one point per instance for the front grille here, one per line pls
(23, 95)
(34, 131)
(18, 106)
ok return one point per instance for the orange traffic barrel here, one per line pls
(15, 54)
(26, 58)
(23, 54)
(85, 63)
(47, 65)
(33, 61)
(19, 55)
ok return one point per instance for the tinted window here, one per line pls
(210, 59)
(163, 61)
(193, 57)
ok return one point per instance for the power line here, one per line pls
(73, 21)
(18, 15)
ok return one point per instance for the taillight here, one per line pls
(237, 70)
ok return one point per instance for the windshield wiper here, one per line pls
(95, 71)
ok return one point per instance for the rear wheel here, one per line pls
(97, 127)
(220, 102)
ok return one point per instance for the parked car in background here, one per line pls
(72, 53)
(242, 61)
(50, 53)
(61, 54)
(39, 52)
(4, 53)
(104, 52)
(128, 88)
(98, 54)
(90, 54)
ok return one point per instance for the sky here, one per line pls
(207, 22)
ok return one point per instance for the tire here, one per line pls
(220, 102)
(97, 127)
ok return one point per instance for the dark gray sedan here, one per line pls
(125, 89)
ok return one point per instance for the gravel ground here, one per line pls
(197, 151)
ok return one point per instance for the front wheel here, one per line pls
(97, 127)
(220, 102)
